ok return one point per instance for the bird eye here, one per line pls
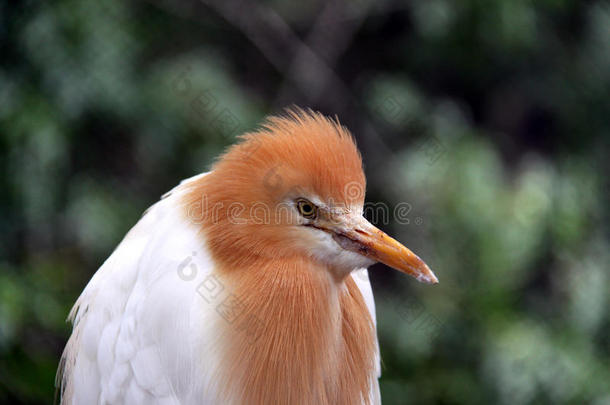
(307, 208)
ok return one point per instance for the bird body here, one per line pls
(245, 285)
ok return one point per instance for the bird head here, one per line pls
(295, 189)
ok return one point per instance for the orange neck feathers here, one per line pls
(301, 339)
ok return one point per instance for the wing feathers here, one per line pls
(113, 354)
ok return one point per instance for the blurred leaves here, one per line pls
(497, 242)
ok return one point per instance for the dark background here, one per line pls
(490, 119)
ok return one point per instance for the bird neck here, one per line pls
(301, 337)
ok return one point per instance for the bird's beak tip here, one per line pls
(427, 278)
(424, 274)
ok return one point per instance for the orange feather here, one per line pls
(307, 335)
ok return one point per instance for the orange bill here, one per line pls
(361, 236)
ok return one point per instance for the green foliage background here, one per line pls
(491, 119)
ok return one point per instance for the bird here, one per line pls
(247, 284)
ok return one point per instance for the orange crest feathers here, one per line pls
(303, 150)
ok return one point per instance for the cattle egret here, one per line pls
(243, 285)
